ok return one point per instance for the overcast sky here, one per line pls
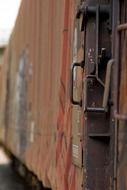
(8, 13)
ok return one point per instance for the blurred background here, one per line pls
(9, 179)
(8, 13)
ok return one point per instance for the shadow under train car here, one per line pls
(9, 179)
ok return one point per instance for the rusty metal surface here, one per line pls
(53, 137)
(121, 94)
(97, 122)
(122, 156)
(38, 111)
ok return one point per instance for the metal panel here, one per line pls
(98, 132)
(44, 32)
(120, 103)
(77, 81)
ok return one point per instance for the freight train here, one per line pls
(63, 97)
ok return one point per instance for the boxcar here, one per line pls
(63, 108)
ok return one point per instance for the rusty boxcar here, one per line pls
(63, 93)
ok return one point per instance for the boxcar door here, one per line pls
(94, 21)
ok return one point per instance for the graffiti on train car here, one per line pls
(21, 102)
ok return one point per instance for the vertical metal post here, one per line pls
(115, 50)
(97, 121)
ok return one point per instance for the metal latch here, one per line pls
(87, 11)
(104, 107)
(99, 10)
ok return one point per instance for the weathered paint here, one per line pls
(45, 41)
(122, 142)
(38, 58)
(121, 101)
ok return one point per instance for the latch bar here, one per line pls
(102, 109)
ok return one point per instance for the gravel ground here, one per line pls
(9, 180)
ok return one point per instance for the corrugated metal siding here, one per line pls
(43, 33)
(3, 87)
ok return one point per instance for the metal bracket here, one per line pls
(99, 10)
(90, 10)
(106, 91)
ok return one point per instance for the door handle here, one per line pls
(106, 90)
(74, 65)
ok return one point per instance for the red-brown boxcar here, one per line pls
(38, 109)
(71, 135)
